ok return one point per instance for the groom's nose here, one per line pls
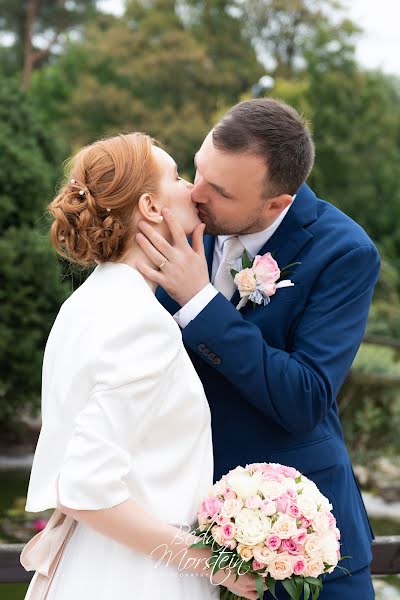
(199, 195)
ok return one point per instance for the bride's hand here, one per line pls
(244, 586)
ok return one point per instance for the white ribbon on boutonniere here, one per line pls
(259, 279)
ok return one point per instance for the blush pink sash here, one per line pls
(43, 552)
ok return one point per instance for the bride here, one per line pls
(125, 450)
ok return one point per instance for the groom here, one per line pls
(272, 372)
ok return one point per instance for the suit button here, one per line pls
(217, 360)
(201, 347)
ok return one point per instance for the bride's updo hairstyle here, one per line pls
(94, 208)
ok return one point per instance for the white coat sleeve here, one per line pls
(130, 368)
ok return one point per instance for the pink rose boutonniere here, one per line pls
(259, 280)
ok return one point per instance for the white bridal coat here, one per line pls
(123, 415)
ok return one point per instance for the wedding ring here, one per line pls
(163, 263)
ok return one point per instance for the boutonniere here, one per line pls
(259, 279)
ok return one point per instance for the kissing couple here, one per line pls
(182, 356)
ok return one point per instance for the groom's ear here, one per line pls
(279, 203)
(148, 208)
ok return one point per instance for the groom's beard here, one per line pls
(221, 228)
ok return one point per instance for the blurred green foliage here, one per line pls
(171, 68)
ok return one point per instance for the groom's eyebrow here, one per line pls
(217, 187)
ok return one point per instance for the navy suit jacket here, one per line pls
(272, 374)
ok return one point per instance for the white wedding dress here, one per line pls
(123, 415)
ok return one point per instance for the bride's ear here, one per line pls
(149, 208)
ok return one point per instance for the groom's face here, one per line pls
(229, 191)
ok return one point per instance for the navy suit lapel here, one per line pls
(291, 235)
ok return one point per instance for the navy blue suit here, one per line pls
(272, 374)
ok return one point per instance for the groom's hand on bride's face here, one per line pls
(185, 272)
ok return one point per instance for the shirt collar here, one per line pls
(254, 241)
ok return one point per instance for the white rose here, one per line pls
(243, 483)
(289, 483)
(285, 527)
(231, 508)
(218, 488)
(329, 547)
(312, 546)
(307, 506)
(320, 522)
(272, 489)
(268, 507)
(281, 567)
(252, 527)
(263, 554)
(315, 567)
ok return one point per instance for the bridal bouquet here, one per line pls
(271, 521)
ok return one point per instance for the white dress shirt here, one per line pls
(252, 242)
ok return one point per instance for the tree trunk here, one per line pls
(29, 53)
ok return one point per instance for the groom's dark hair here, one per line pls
(274, 131)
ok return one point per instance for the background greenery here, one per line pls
(70, 74)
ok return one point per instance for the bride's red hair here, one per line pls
(93, 210)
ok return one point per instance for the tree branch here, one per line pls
(380, 340)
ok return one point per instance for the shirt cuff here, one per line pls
(191, 309)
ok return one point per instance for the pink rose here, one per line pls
(289, 472)
(300, 536)
(293, 511)
(256, 565)
(289, 546)
(266, 268)
(212, 505)
(221, 520)
(282, 503)
(228, 530)
(299, 566)
(268, 288)
(272, 475)
(305, 522)
(273, 541)
(229, 494)
(245, 282)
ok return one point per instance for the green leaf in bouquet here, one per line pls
(246, 260)
(291, 588)
(234, 273)
(345, 571)
(306, 590)
(314, 581)
(298, 479)
(200, 544)
(316, 593)
(271, 585)
(259, 586)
